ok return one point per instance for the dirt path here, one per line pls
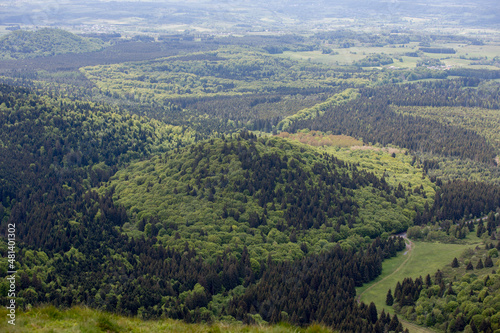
(409, 248)
(413, 328)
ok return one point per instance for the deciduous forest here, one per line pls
(248, 180)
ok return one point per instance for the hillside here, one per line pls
(22, 44)
(462, 295)
(200, 182)
(268, 194)
(187, 261)
(220, 220)
(54, 149)
(83, 319)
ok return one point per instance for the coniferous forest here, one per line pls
(251, 179)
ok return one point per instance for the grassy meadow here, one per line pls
(424, 258)
(82, 319)
(346, 56)
(380, 160)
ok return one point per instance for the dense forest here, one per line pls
(231, 179)
(266, 194)
(45, 42)
(56, 214)
(372, 118)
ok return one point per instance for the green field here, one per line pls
(425, 258)
(346, 56)
(414, 328)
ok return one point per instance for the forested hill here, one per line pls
(56, 145)
(81, 247)
(264, 193)
(152, 177)
(374, 118)
(21, 44)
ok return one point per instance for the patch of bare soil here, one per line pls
(387, 150)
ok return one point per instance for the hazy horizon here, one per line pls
(231, 16)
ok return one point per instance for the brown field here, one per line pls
(318, 139)
(385, 149)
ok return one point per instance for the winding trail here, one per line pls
(413, 328)
(409, 248)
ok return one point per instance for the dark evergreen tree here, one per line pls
(372, 313)
(488, 262)
(480, 228)
(389, 300)
(450, 290)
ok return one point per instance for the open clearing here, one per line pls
(346, 56)
(419, 260)
(425, 258)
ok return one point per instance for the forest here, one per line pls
(230, 180)
(45, 42)
(460, 297)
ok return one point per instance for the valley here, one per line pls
(232, 178)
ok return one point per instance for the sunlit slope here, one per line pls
(44, 42)
(271, 195)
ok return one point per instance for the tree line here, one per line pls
(373, 118)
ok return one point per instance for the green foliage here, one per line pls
(480, 120)
(226, 72)
(453, 168)
(205, 232)
(318, 109)
(216, 195)
(374, 60)
(277, 297)
(223, 90)
(437, 50)
(106, 324)
(429, 62)
(82, 319)
(44, 42)
(455, 297)
(372, 118)
(45, 137)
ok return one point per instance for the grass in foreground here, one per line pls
(81, 319)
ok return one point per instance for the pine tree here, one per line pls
(393, 325)
(428, 281)
(485, 326)
(450, 290)
(389, 300)
(455, 263)
(480, 229)
(480, 264)
(398, 292)
(372, 313)
(470, 267)
(378, 327)
(488, 262)
(473, 327)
